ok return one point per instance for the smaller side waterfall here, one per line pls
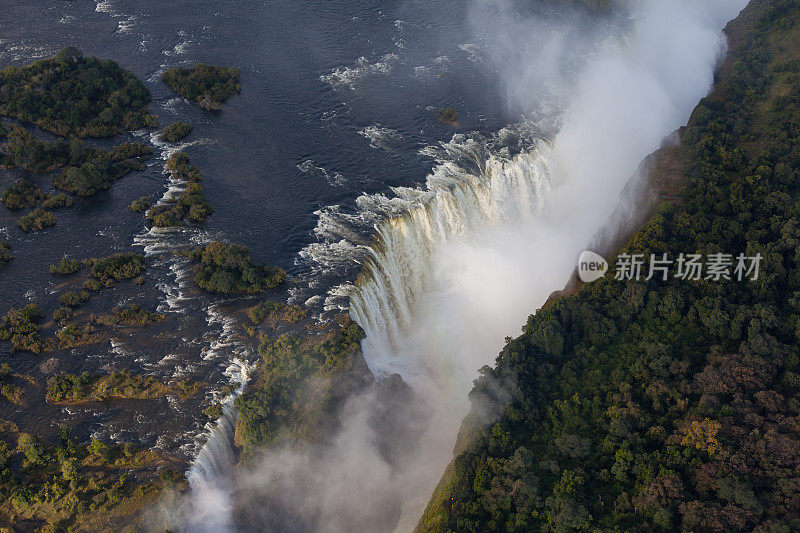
(211, 473)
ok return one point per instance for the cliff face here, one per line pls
(664, 405)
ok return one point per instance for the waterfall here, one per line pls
(424, 315)
(211, 473)
(457, 202)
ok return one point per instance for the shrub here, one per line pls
(448, 116)
(176, 131)
(228, 269)
(85, 180)
(36, 220)
(65, 267)
(58, 200)
(63, 313)
(207, 85)
(180, 168)
(20, 326)
(74, 299)
(277, 311)
(5, 254)
(92, 284)
(142, 204)
(73, 335)
(133, 315)
(258, 313)
(31, 447)
(213, 411)
(190, 204)
(22, 194)
(86, 387)
(116, 267)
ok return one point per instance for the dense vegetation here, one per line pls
(213, 411)
(65, 266)
(74, 298)
(102, 169)
(5, 254)
(21, 327)
(73, 95)
(86, 170)
(665, 405)
(281, 398)
(9, 391)
(24, 150)
(63, 313)
(275, 310)
(70, 486)
(86, 387)
(36, 220)
(73, 335)
(21, 194)
(117, 267)
(181, 169)
(190, 203)
(54, 201)
(228, 269)
(176, 131)
(207, 85)
(140, 204)
(132, 315)
(447, 116)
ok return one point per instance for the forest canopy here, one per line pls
(74, 95)
(228, 269)
(176, 131)
(208, 85)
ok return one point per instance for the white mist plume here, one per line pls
(536, 56)
(476, 281)
(633, 95)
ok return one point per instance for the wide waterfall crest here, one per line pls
(457, 200)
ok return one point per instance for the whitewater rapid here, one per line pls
(210, 473)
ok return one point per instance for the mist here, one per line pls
(487, 250)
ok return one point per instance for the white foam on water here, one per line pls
(350, 77)
(310, 168)
(181, 47)
(381, 138)
(472, 50)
